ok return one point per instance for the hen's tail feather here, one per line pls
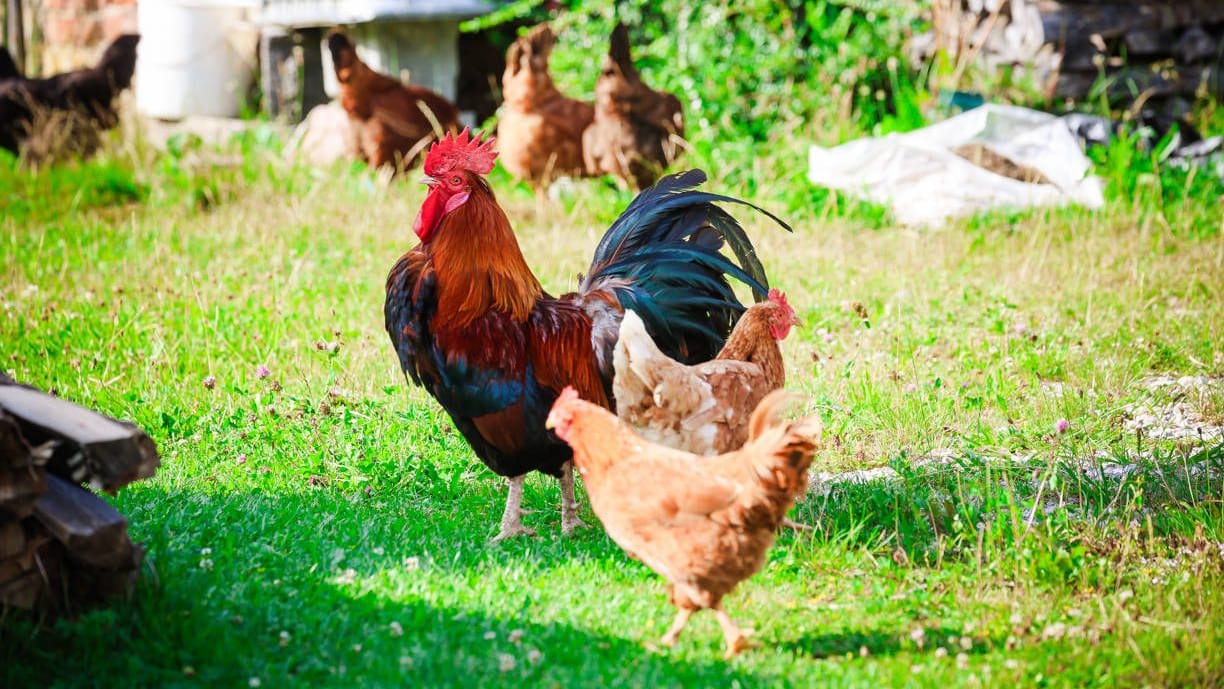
(662, 258)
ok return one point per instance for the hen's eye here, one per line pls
(456, 180)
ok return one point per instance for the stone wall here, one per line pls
(75, 31)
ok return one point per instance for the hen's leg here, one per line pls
(512, 518)
(737, 639)
(569, 506)
(682, 618)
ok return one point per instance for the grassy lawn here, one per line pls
(326, 526)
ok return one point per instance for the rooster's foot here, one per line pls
(512, 530)
(571, 524)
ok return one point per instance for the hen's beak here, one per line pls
(550, 423)
(428, 181)
(795, 320)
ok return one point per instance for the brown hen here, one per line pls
(703, 523)
(539, 131)
(394, 121)
(637, 129)
(703, 408)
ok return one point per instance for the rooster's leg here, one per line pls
(737, 639)
(512, 518)
(682, 618)
(569, 506)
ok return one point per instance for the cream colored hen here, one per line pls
(704, 408)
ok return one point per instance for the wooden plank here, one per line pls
(107, 453)
(91, 531)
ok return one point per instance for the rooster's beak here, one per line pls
(550, 423)
(428, 181)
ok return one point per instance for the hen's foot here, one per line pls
(682, 617)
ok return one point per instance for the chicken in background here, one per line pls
(8, 66)
(539, 131)
(395, 122)
(702, 523)
(66, 112)
(472, 325)
(637, 130)
(703, 408)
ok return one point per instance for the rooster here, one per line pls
(472, 325)
(704, 523)
(394, 121)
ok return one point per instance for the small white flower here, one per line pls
(490, 635)
(206, 551)
(284, 638)
(534, 656)
(941, 652)
(966, 643)
(397, 629)
(505, 662)
(962, 660)
(515, 636)
(254, 682)
(1011, 664)
(412, 563)
(206, 564)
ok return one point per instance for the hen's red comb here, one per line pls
(569, 394)
(778, 297)
(466, 152)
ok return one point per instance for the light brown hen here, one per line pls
(702, 408)
(539, 131)
(703, 523)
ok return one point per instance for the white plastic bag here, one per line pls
(923, 181)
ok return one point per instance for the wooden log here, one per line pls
(1064, 21)
(12, 540)
(28, 580)
(21, 478)
(93, 448)
(92, 532)
(1124, 84)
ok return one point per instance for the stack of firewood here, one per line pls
(1136, 51)
(63, 548)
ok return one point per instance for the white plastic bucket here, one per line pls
(196, 57)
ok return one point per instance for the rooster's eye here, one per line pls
(456, 180)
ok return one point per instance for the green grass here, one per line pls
(326, 526)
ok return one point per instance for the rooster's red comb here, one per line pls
(463, 152)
